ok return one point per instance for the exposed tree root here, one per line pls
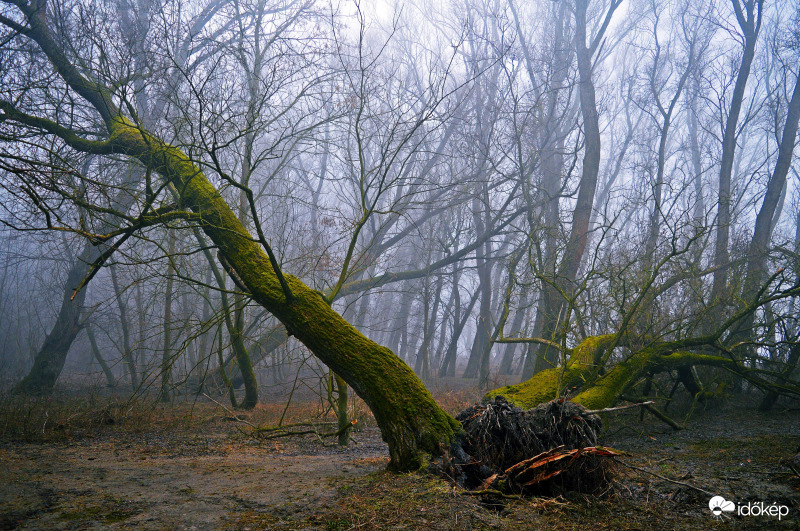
(546, 450)
(557, 470)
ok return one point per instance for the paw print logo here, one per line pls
(719, 505)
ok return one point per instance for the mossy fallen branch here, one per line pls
(549, 384)
(597, 391)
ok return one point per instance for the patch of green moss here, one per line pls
(546, 385)
(590, 350)
(338, 524)
(607, 389)
(542, 387)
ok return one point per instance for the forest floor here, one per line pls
(78, 464)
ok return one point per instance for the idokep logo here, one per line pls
(719, 505)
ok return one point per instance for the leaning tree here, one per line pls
(411, 422)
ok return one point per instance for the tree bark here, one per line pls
(234, 323)
(411, 422)
(448, 367)
(507, 362)
(759, 244)
(576, 241)
(127, 351)
(581, 376)
(166, 351)
(110, 380)
(552, 165)
(548, 384)
(750, 23)
(483, 323)
(50, 358)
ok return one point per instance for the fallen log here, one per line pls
(584, 381)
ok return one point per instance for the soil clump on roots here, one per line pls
(547, 450)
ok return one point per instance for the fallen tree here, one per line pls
(591, 382)
(602, 369)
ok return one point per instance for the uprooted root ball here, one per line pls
(545, 450)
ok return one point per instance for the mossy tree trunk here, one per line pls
(411, 422)
(551, 383)
(583, 379)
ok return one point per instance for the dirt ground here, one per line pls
(202, 470)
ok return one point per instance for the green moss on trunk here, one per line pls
(411, 422)
(606, 390)
(602, 391)
(546, 385)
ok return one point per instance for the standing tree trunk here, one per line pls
(507, 362)
(110, 380)
(235, 327)
(166, 350)
(340, 402)
(54, 352)
(686, 375)
(749, 20)
(50, 359)
(483, 324)
(759, 245)
(127, 351)
(448, 367)
(576, 241)
(400, 321)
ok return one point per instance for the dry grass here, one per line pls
(69, 417)
(74, 415)
(46, 419)
(455, 394)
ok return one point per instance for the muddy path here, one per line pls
(172, 480)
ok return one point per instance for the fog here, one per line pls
(479, 186)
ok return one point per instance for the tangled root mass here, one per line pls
(549, 449)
